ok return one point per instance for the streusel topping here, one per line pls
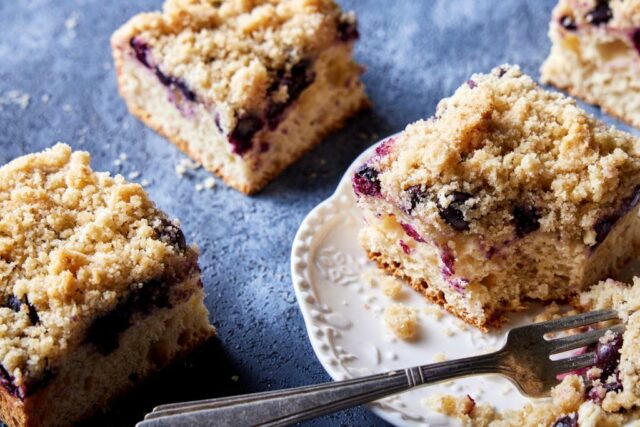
(503, 156)
(73, 243)
(230, 51)
(619, 14)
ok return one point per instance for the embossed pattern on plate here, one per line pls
(343, 316)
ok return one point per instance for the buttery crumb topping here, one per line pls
(503, 151)
(73, 243)
(230, 51)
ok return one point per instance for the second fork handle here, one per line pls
(281, 408)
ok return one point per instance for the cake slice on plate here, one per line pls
(99, 289)
(244, 87)
(509, 193)
(596, 54)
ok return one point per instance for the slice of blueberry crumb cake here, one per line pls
(99, 289)
(509, 193)
(244, 87)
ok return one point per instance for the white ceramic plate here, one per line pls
(343, 316)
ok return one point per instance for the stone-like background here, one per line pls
(57, 84)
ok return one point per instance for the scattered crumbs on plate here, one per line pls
(199, 187)
(370, 277)
(433, 311)
(133, 175)
(117, 162)
(371, 299)
(439, 357)
(449, 384)
(391, 287)
(45, 98)
(145, 182)
(392, 356)
(401, 320)
(67, 108)
(15, 97)
(345, 303)
(123, 156)
(235, 378)
(366, 306)
(449, 332)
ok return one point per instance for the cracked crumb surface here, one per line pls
(227, 51)
(401, 320)
(504, 142)
(73, 242)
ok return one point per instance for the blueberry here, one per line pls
(175, 83)
(15, 304)
(568, 23)
(296, 80)
(168, 233)
(601, 14)
(472, 84)
(416, 196)
(635, 38)
(347, 31)
(526, 219)
(104, 332)
(608, 355)
(7, 382)
(141, 50)
(242, 135)
(365, 181)
(570, 420)
(604, 225)
(452, 214)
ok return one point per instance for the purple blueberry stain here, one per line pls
(472, 84)
(600, 14)
(604, 225)
(568, 23)
(570, 420)
(241, 138)
(453, 214)
(411, 232)
(176, 84)
(104, 332)
(405, 248)
(8, 383)
(448, 271)
(635, 38)
(385, 148)
(141, 50)
(366, 182)
(526, 219)
(296, 80)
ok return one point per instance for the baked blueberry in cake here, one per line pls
(99, 289)
(244, 87)
(509, 193)
(595, 54)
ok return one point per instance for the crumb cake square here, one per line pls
(243, 87)
(595, 54)
(509, 193)
(99, 289)
(605, 395)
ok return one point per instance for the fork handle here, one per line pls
(285, 407)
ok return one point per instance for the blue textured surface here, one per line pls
(416, 52)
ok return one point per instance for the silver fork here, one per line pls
(524, 359)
